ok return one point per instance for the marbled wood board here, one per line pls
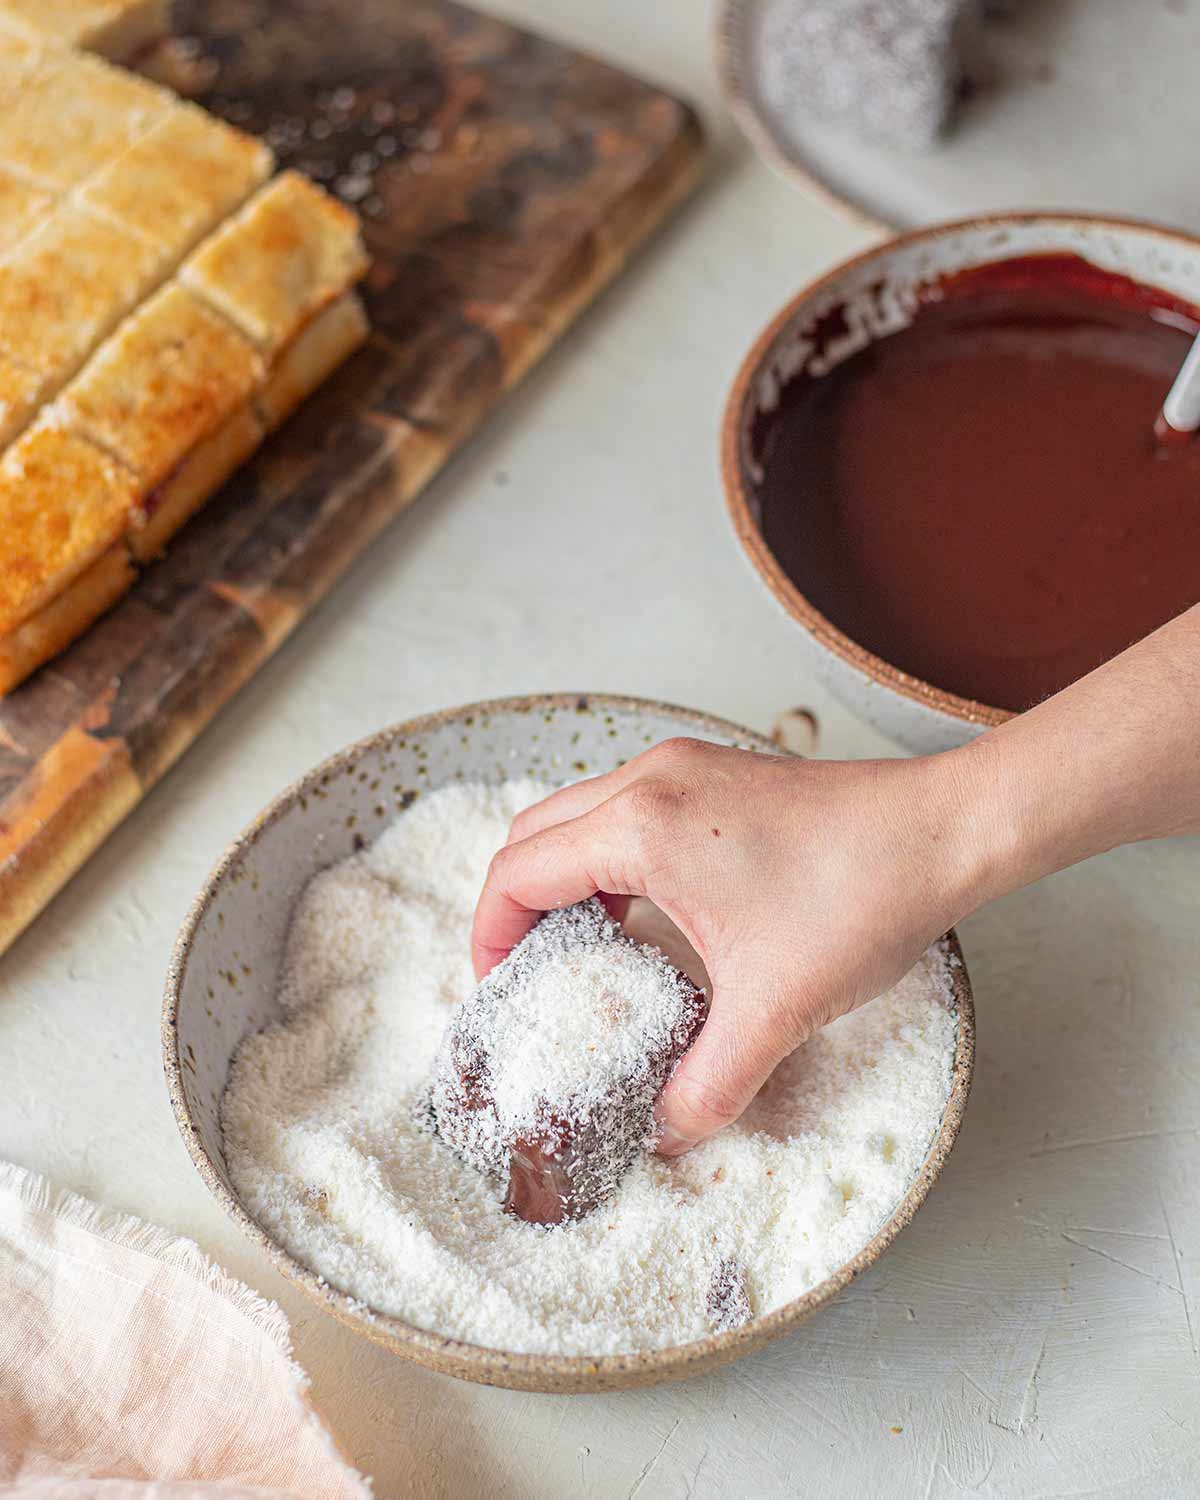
(503, 181)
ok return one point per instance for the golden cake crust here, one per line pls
(286, 255)
(65, 286)
(72, 114)
(18, 47)
(62, 503)
(21, 394)
(21, 207)
(20, 58)
(179, 180)
(169, 376)
(125, 403)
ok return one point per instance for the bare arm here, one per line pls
(1113, 759)
(808, 887)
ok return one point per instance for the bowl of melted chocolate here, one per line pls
(941, 458)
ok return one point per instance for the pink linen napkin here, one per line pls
(131, 1366)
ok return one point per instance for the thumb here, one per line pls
(725, 1067)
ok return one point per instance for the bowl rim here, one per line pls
(737, 491)
(728, 24)
(538, 1372)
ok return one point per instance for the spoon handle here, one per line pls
(1181, 409)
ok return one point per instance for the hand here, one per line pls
(806, 887)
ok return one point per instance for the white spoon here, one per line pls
(1180, 415)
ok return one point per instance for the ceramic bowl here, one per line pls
(222, 978)
(876, 293)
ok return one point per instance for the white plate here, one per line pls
(1095, 105)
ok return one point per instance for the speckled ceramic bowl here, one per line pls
(221, 983)
(875, 294)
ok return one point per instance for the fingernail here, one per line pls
(671, 1143)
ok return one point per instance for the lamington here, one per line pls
(548, 1072)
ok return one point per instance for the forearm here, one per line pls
(1113, 759)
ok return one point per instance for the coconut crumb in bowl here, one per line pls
(328, 1145)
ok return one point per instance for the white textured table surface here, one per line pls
(1035, 1331)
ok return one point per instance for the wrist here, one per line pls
(1013, 814)
(999, 836)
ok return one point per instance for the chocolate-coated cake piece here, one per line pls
(549, 1070)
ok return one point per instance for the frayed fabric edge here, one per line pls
(36, 1193)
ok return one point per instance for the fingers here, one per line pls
(561, 806)
(567, 803)
(726, 1066)
(567, 847)
(561, 864)
(666, 758)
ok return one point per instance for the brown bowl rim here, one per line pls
(540, 1372)
(737, 496)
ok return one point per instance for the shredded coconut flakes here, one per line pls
(549, 1070)
(326, 1150)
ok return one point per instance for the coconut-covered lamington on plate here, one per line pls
(548, 1072)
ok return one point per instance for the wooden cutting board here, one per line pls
(503, 182)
